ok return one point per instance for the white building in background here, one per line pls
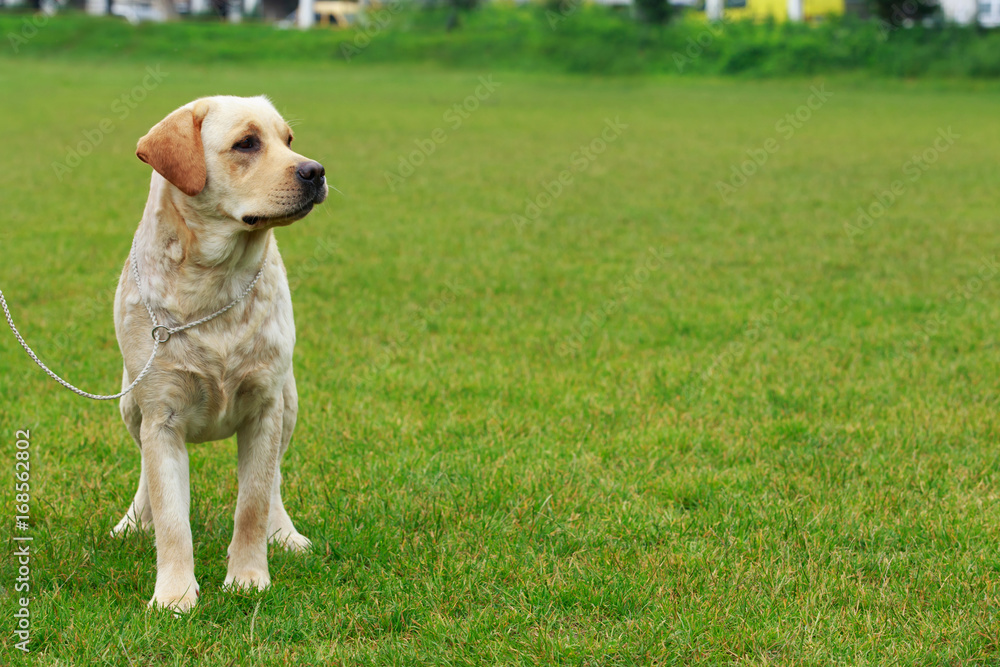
(966, 12)
(989, 13)
(305, 14)
(156, 10)
(962, 12)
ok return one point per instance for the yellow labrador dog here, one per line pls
(225, 177)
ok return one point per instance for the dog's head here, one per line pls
(233, 157)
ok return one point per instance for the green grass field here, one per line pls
(779, 448)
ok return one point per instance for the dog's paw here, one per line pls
(247, 579)
(175, 599)
(296, 542)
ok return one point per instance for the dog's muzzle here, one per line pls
(312, 177)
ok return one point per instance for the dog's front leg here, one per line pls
(165, 462)
(258, 441)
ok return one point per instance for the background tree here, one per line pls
(898, 12)
(458, 7)
(654, 12)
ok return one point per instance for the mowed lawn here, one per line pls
(641, 425)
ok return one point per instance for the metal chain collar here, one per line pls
(156, 333)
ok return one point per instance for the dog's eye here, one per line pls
(289, 142)
(247, 145)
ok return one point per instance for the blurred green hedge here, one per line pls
(578, 38)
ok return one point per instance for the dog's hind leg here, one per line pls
(140, 514)
(279, 525)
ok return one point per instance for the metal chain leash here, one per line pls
(157, 340)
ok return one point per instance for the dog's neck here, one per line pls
(203, 258)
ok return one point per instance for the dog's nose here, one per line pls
(310, 171)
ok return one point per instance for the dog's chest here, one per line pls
(236, 370)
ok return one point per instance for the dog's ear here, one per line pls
(173, 148)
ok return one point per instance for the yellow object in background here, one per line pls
(778, 9)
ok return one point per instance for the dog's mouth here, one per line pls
(284, 218)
